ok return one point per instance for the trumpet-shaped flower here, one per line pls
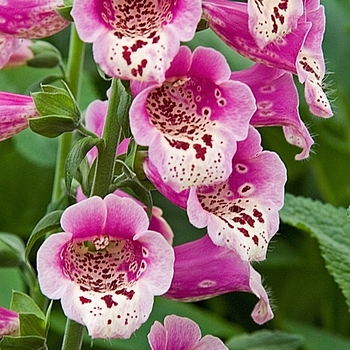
(9, 322)
(295, 48)
(19, 57)
(240, 213)
(14, 113)
(270, 87)
(106, 266)
(192, 121)
(181, 333)
(136, 39)
(28, 20)
(215, 271)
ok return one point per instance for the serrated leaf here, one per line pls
(23, 343)
(23, 303)
(11, 250)
(265, 340)
(331, 227)
(52, 126)
(76, 156)
(48, 224)
(30, 324)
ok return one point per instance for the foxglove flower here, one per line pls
(134, 39)
(192, 121)
(215, 271)
(28, 20)
(9, 322)
(106, 266)
(240, 213)
(20, 56)
(270, 87)
(295, 49)
(181, 333)
(15, 110)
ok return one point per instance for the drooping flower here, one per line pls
(135, 39)
(106, 266)
(192, 121)
(240, 213)
(270, 87)
(27, 20)
(215, 271)
(297, 50)
(9, 322)
(19, 57)
(15, 110)
(181, 333)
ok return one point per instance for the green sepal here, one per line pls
(23, 343)
(52, 126)
(45, 55)
(202, 25)
(64, 12)
(55, 101)
(11, 250)
(76, 156)
(50, 223)
(266, 340)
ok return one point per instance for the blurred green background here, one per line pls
(307, 300)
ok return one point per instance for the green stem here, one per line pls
(73, 336)
(73, 78)
(107, 150)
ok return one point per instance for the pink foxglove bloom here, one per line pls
(240, 213)
(15, 110)
(136, 39)
(9, 322)
(270, 87)
(181, 333)
(27, 19)
(20, 56)
(106, 266)
(204, 270)
(297, 49)
(192, 121)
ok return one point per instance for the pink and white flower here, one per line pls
(192, 121)
(25, 19)
(296, 48)
(19, 57)
(15, 110)
(215, 271)
(106, 265)
(181, 333)
(240, 213)
(9, 322)
(136, 39)
(270, 87)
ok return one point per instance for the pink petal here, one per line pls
(8, 46)
(85, 219)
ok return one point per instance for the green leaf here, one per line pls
(265, 340)
(30, 324)
(23, 303)
(11, 250)
(125, 100)
(76, 156)
(50, 223)
(65, 12)
(52, 126)
(23, 343)
(331, 227)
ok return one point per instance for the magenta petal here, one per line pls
(8, 46)
(85, 219)
(158, 337)
(125, 217)
(9, 322)
(215, 271)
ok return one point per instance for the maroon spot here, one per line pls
(178, 144)
(85, 300)
(258, 215)
(208, 140)
(109, 321)
(241, 167)
(200, 151)
(155, 39)
(246, 188)
(138, 45)
(126, 55)
(109, 301)
(255, 239)
(235, 209)
(248, 219)
(129, 294)
(244, 231)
